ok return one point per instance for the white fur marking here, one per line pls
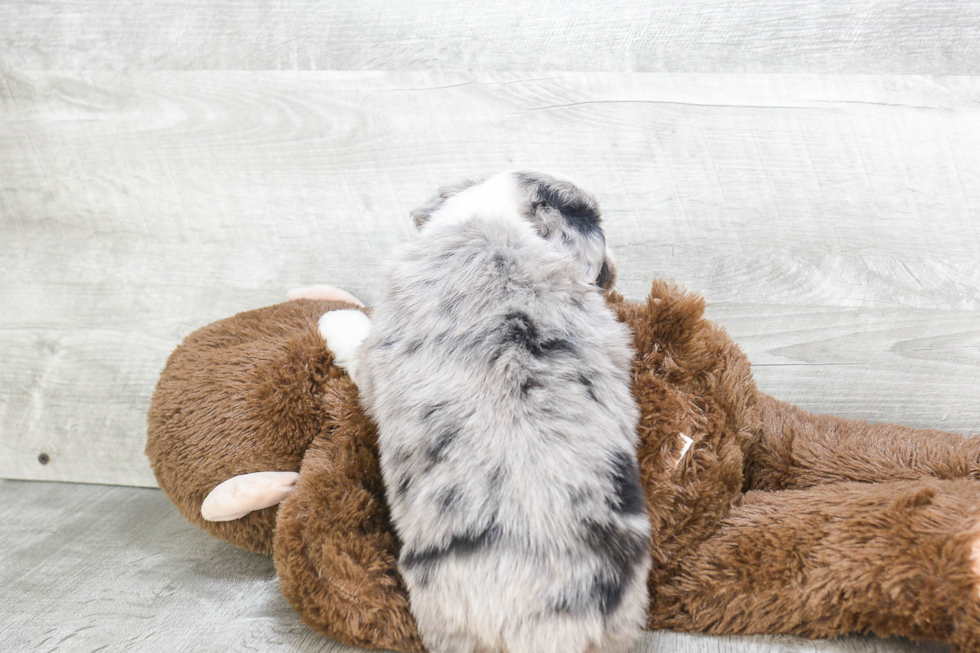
(240, 495)
(497, 197)
(344, 331)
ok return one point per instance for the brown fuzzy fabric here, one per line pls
(334, 548)
(237, 396)
(887, 558)
(688, 378)
(775, 521)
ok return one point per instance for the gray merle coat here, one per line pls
(498, 379)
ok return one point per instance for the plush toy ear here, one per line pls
(243, 494)
(321, 291)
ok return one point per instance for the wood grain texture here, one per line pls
(843, 36)
(909, 366)
(833, 222)
(110, 569)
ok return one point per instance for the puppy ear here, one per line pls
(608, 272)
(422, 214)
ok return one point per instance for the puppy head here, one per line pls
(560, 211)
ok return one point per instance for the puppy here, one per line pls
(498, 379)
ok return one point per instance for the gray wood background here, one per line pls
(832, 221)
(813, 168)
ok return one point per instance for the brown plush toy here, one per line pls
(766, 519)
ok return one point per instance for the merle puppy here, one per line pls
(498, 379)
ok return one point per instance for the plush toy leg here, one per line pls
(798, 450)
(344, 331)
(335, 549)
(240, 495)
(331, 293)
(894, 559)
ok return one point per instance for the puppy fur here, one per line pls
(499, 381)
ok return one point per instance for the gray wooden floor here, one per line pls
(87, 568)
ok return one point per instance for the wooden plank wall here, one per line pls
(812, 168)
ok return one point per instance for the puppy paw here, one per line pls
(240, 495)
(331, 293)
(344, 331)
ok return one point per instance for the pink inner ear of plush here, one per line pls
(331, 293)
(240, 495)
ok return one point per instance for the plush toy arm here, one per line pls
(894, 559)
(344, 332)
(243, 494)
(799, 450)
(335, 551)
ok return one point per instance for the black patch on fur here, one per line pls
(620, 551)
(589, 389)
(577, 208)
(462, 545)
(497, 476)
(500, 264)
(401, 455)
(437, 452)
(627, 493)
(449, 498)
(578, 496)
(519, 330)
(581, 220)
(403, 485)
(605, 276)
(432, 408)
(553, 346)
(413, 346)
(529, 384)
(608, 592)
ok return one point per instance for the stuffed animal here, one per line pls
(765, 519)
